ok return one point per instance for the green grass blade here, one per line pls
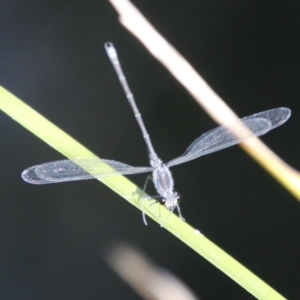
(70, 148)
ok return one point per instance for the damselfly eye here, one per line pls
(161, 200)
(178, 198)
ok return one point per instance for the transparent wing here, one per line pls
(68, 170)
(226, 136)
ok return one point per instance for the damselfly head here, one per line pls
(171, 201)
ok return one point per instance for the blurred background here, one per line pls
(52, 57)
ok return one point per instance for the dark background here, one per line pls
(52, 57)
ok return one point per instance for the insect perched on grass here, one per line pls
(211, 141)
